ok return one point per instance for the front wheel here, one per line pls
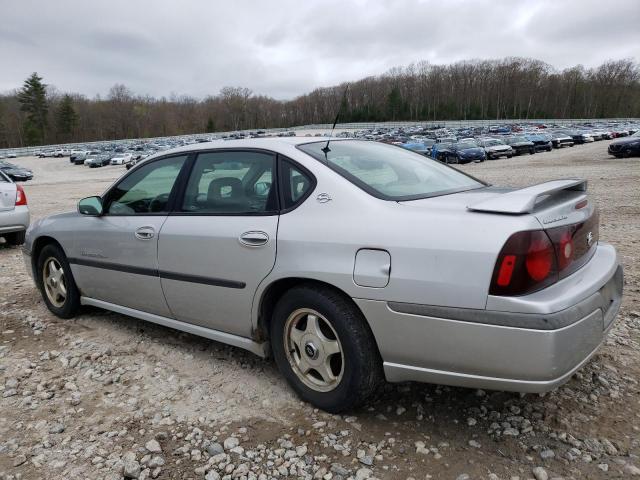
(56, 282)
(325, 349)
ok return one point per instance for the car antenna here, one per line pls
(326, 148)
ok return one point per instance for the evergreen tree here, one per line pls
(33, 101)
(394, 103)
(66, 117)
(211, 126)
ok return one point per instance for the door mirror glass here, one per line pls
(90, 206)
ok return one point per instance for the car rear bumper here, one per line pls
(15, 220)
(524, 352)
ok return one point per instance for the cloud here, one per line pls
(287, 48)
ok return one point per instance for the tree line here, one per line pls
(511, 88)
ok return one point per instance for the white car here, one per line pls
(121, 159)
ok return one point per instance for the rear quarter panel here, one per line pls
(441, 254)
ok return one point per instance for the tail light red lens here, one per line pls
(533, 260)
(526, 263)
(21, 198)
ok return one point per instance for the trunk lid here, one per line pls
(563, 210)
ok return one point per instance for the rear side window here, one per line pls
(231, 183)
(295, 185)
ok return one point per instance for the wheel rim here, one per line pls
(313, 350)
(54, 282)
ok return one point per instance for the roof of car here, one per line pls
(266, 143)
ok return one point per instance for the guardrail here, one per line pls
(23, 151)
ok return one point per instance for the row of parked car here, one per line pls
(466, 145)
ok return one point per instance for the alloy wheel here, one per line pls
(313, 350)
(54, 282)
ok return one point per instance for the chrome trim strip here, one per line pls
(152, 272)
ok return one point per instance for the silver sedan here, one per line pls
(349, 261)
(14, 211)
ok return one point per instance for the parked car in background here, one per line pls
(579, 137)
(626, 147)
(15, 172)
(97, 161)
(502, 277)
(441, 150)
(495, 148)
(121, 159)
(79, 157)
(91, 156)
(561, 139)
(541, 141)
(14, 211)
(466, 152)
(520, 145)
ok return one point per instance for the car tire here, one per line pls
(510, 156)
(15, 238)
(346, 377)
(59, 290)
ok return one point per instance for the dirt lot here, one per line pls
(106, 396)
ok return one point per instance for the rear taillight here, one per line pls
(21, 198)
(532, 260)
(526, 263)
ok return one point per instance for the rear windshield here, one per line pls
(390, 172)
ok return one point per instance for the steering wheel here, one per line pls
(159, 203)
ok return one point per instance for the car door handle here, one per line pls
(145, 233)
(254, 238)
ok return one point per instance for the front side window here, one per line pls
(229, 182)
(147, 189)
(390, 172)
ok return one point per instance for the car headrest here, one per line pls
(226, 188)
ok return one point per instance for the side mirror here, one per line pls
(90, 206)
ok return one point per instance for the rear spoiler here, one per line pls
(525, 199)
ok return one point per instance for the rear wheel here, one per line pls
(56, 282)
(324, 348)
(15, 238)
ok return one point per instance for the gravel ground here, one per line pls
(105, 396)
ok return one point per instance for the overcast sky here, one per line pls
(287, 48)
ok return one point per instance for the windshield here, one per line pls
(389, 172)
(492, 143)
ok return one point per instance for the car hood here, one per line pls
(472, 151)
(626, 141)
